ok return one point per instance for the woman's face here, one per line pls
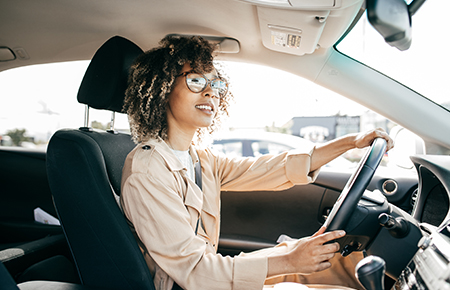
(189, 111)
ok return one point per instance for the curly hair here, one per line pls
(150, 81)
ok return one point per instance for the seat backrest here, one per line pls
(84, 170)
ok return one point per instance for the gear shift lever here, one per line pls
(370, 272)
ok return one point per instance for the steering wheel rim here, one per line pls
(355, 187)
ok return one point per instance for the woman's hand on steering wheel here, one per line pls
(365, 139)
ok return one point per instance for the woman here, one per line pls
(175, 96)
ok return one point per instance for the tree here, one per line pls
(18, 136)
(284, 129)
(99, 125)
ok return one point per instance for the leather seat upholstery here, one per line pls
(84, 169)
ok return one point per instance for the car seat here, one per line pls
(84, 168)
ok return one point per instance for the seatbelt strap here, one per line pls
(198, 181)
(198, 174)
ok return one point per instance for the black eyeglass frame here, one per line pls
(208, 82)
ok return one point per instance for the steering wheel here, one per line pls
(355, 187)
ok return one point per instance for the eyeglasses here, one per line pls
(197, 83)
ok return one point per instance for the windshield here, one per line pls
(423, 67)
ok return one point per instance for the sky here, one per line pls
(47, 93)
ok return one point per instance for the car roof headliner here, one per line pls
(54, 30)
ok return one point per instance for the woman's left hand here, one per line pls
(365, 139)
(326, 152)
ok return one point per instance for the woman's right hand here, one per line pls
(312, 254)
(307, 255)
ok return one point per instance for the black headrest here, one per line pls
(105, 81)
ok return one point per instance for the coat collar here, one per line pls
(173, 163)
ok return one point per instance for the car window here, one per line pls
(38, 100)
(266, 100)
(269, 100)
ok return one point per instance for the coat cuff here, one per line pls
(249, 272)
(298, 166)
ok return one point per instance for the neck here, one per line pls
(179, 140)
(179, 134)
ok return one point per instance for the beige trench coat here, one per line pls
(162, 206)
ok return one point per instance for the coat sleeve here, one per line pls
(163, 224)
(267, 172)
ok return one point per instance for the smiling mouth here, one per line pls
(205, 107)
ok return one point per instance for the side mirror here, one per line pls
(406, 144)
(392, 19)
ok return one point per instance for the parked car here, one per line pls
(293, 47)
(256, 143)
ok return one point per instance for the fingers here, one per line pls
(320, 231)
(326, 251)
(366, 139)
(324, 245)
(331, 248)
(380, 133)
(323, 266)
(313, 254)
(330, 236)
(327, 244)
(323, 255)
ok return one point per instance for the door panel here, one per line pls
(253, 220)
(23, 187)
(405, 184)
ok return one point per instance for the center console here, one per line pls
(430, 267)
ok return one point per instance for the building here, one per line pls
(319, 129)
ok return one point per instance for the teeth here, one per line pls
(203, 107)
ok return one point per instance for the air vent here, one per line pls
(390, 187)
(414, 197)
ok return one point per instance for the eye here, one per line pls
(195, 82)
(218, 84)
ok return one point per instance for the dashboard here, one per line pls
(430, 266)
(432, 203)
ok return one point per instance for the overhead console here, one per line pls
(302, 26)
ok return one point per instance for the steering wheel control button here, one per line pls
(348, 249)
(390, 187)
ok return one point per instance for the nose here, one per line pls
(210, 92)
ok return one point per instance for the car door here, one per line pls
(24, 188)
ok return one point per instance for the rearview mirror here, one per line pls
(392, 19)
